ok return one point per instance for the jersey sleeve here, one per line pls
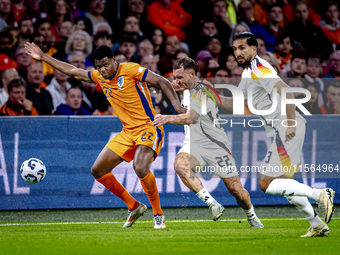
(196, 101)
(93, 76)
(265, 76)
(137, 72)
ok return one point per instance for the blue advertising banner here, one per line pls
(69, 146)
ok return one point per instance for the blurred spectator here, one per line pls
(103, 38)
(43, 26)
(17, 103)
(23, 60)
(32, 10)
(330, 23)
(132, 28)
(272, 60)
(159, 99)
(6, 42)
(260, 11)
(170, 16)
(15, 33)
(181, 53)
(208, 28)
(149, 62)
(334, 68)
(231, 62)
(119, 57)
(312, 38)
(214, 46)
(128, 47)
(283, 49)
(65, 30)
(222, 22)
(74, 8)
(6, 12)
(298, 65)
(138, 8)
(246, 12)
(158, 39)
(62, 12)
(58, 87)
(236, 75)
(205, 64)
(83, 24)
(314, 71)
(239, 28)
(101, 27)
(19, 9)
(7, 75)
(332, 104)
(79, 41)
(312, 105)
(261, 45)
(25, 26)
(145, 48)
(73, 104)
(275, 20)
(96, 8)
(40, 97)
(296, 83)
(77, 59)
(221, 76)
(172, 44)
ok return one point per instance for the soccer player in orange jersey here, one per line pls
(124, 85)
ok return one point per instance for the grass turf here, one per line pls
(227, 236)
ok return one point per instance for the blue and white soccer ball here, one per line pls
(33, 170)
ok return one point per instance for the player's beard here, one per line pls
(246, 62)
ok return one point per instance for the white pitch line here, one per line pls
(141, 221)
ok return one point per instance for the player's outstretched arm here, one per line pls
(165, 85)
(35, 52)
(181, 119)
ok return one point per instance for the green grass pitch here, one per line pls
(185, 236)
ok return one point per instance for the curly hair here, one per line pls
(88, 46)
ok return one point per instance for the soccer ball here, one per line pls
(33, 170)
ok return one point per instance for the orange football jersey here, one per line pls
(128, 94)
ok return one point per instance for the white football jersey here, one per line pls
(203, 130)
(261, 78)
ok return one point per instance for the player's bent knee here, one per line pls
(96, 172)
(140, 170)
(263, 184)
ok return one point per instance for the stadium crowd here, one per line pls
(299, 38)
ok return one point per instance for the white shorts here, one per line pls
(283, 158)
(220, 160)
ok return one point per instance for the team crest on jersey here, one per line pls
(120, 82)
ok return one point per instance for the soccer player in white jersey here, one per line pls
(283, 157)
(205, 143)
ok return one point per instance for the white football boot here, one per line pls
(216, 210)
(321, 230)
(325, 202)
(134, 215)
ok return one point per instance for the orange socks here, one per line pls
(150, 188)
(114, 186)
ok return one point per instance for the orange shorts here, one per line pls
(125, 143)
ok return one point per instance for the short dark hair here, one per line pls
(102, 52)
(6, 34)
(214, 71)
(251, 39)
(127, 38)
(74, 87)
(22, 20)
(335, 84)
(299, 54)
(16, 83)
(187, 64)
(39, 22)
(279, 39)
(102, 34)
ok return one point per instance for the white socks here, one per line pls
(302, 205)
(205, 196)
(290, 187)
(250, 213)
